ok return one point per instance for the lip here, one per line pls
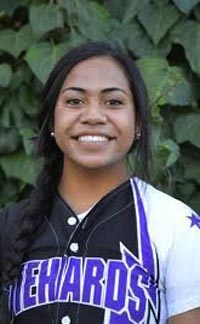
(100, 135)
(93, 139)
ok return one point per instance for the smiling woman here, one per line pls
(94, 243)
(94, 118)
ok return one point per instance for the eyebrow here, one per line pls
(106, 90)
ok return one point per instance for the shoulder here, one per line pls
(170, 222)
(168, 218)
(157, 202)
(175, 230)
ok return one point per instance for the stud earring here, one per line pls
(52, 134)
(138, 136)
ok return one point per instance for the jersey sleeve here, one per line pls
(182, 271)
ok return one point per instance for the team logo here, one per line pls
(122, 287)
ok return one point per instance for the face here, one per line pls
(94, 118)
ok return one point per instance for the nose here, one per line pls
(93, 114)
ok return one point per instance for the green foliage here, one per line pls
(157, 18)
(41, 59)
(187, 34)
(14, 42)
(5, 75)
(186, 6)
(187, 128)
(166, 84)
(163, 36)
(44, 18)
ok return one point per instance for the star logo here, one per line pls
(195, 220)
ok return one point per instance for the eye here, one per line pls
(74, 102)
(114, 102)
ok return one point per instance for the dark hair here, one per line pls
(47, 145)
(39, 204)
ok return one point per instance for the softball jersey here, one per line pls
(133, 258)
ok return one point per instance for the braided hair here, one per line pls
(39, 204)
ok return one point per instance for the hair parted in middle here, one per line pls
(47, 147)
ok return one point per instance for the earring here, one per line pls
(52, 134)
(138, 136)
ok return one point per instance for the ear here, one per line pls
(51, 127)
(138, 129)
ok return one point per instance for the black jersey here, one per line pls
(108, 269)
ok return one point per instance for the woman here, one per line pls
(92, 244)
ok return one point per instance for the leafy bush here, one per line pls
(164, 38)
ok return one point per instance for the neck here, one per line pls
(82, 188)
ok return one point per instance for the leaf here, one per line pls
(45, 17)
(72, 40)
(13, 111)
(22, 75)
(187, 129)
(5, 75)
(192, 169)
(5, 118)
(15, 42)
(186, 189)
(91, 19)
(20, 166)
(72, 6)
(9, 140)
(139, 43)
(95, 22)
(27, 134)
(165, 156)
(197, 12)
(172, 150)
(157, 19)
(28, 101)
(165, 84)
(133, 8)
(10, 6)
(41, 58)
(167, 153)
(187, 33)
(116, 8)
(186, 5)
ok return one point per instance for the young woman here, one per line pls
(93, 244)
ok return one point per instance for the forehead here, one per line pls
(98, 71)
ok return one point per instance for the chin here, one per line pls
(99, 165)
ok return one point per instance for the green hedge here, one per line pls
(164, 37)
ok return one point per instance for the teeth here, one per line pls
(93, 138)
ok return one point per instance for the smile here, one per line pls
(93, 138)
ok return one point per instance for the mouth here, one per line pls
(90, 138)
(93, 139)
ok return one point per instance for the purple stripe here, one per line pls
(147, 253)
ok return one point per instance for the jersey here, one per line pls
(134, 258)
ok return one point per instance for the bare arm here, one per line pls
(191, 317)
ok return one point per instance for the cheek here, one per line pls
(128, 135)
(61, 121)
(57, 118)
(128, 126)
